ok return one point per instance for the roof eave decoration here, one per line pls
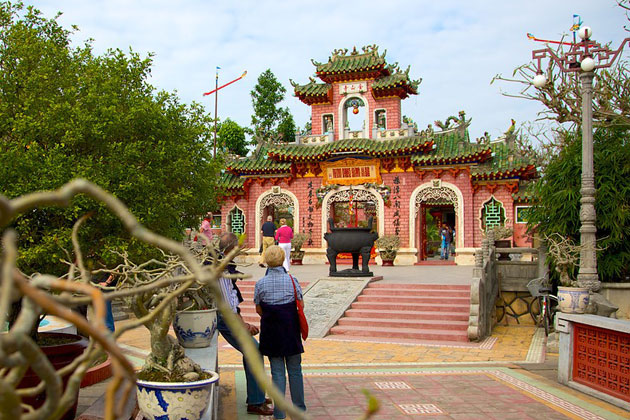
(342, 66)
(522, 172)
(357, 147)
(313, 93)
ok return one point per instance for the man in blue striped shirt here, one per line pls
(256, 401)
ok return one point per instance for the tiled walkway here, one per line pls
(439, 393)
(494, 379)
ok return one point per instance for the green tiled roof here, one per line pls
(505, 163)
(341, 63)
(312, 92)
(259, 164)
(398, 80)
(452, 147)
(524, 195)
(369, 147)
(230, 181)
(312, 89)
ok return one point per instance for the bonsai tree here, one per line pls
(500, 232)
(388, 246)
(296, 243)
(565, 255)
(154, 286)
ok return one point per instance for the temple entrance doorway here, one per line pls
(432, 218)
(278, 205)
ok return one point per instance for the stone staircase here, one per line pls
(248, 309)
(425, 312)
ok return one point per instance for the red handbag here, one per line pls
(300, 310)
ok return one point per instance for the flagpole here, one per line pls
(216, 102)
(216, 106)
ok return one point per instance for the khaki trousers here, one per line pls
(267, 241)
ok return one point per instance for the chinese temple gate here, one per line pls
(410, 181)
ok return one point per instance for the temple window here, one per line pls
(492, 214)
(380, 117)
(236, 221)
(216, 221)
(328, 123)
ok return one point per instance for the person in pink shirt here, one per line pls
(206, 229)
(284, 234)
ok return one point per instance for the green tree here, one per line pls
(557, 207)
(266, 96)
(66, 113)
(232, 136)
(286, 128)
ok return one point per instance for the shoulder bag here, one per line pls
(300, 310)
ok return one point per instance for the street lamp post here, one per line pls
(583, 57)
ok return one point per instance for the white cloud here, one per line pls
(456, 47)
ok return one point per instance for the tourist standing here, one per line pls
(206, 229)
(268, 234)
(280, 340)
(284, 234)
(445, 232)
(256, 401)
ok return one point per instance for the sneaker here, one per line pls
(261, 409)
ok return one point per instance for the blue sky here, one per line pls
(456, 47)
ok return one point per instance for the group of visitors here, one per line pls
(275, 297)
(281, 236)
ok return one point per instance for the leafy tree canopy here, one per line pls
(67, 113)
(232, 136)
(287, 128)
(267, 117)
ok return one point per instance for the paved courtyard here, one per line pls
(507, 376)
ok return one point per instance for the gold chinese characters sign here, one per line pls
(351, 172)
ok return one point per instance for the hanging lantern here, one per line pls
(355, 110)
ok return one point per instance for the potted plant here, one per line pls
(566, 255)
(388, 246)
(297, 254)
(501, 235)
(195, 321)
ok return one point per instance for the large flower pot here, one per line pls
(573, 300)
(195, 329)
(503, 243)
(59, 355)
(175, 400)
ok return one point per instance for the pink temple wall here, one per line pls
(408, 182)
(391, 104)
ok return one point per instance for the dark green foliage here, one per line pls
(266, 96)
(558, 198)
(66, 113)
(232, 136)
(286, 128)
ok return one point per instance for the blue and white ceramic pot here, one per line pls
(176, 400)
(573, 300)
(195, 329)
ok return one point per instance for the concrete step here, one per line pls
(409, 291)
(417, 334)
(378, 285)
(416, 324)
(400, 306)
(424, 315)
(434, 300)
